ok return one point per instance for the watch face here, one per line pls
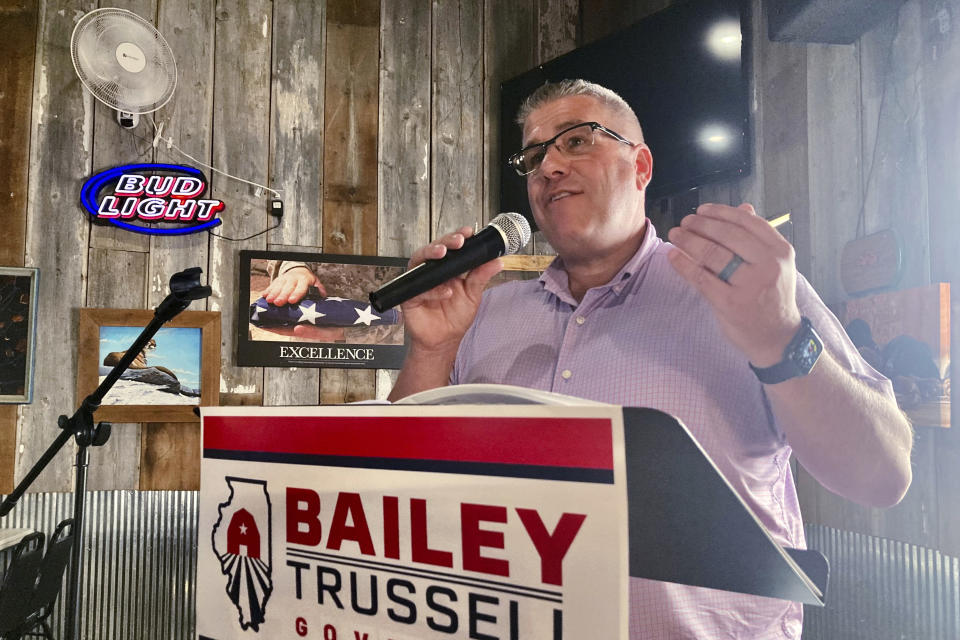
(798, 358)
(805, 356)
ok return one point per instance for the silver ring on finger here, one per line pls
(732, 266)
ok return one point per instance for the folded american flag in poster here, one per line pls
(331, 311)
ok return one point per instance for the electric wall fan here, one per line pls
(124, 62)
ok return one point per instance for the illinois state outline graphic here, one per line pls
(242, 542)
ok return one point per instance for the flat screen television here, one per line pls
(684, 70)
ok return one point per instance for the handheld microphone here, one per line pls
(505, 235)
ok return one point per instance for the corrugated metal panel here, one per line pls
(140, 569)
(883, 589)
(140, 561)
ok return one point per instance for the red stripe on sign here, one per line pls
(561, 442)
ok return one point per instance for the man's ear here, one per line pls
(644, 166)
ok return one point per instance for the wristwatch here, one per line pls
(798, 358)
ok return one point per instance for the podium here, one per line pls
(443, 519)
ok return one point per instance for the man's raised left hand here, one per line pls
(755, 300)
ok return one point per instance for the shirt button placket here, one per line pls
(579, 319)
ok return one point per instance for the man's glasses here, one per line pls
(573, 141)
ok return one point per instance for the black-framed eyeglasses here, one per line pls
(577, 140)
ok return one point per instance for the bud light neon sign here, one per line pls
(136, 195)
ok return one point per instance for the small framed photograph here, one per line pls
(324, 318)
(177, 370)
(18, 328)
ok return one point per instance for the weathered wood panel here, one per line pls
(18, 37)
(187, 121)
(403, 185)
(296, 133)
(117, 270)
(171, 456)
(457, 129)
(385, 380)
(350, 122)
(557, 28)
(527, 263)
(509, 49)
(403, 199)
(894, 162)
(350, 157)
(116, 465)
(339, 386)
(113, 146)
(783, 141)
(296, 158)
(290, 386)
(240, 147)
(57, 236)
(8, 445)
(188, 26)
(833, 138)
(941, 92)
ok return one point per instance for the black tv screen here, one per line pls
(683, 70)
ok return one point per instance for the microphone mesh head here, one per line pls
(515, 229)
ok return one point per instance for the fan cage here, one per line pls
(94, 51)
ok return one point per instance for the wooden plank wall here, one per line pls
(18, 36)
(115, 275)
(376, 119)
(296, 159)
(856, 139)
(350, 160)
(860, 136)
(168, 451)
(58, 235)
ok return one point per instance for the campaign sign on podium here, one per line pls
(376, 522)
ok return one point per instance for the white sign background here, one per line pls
(592, 597)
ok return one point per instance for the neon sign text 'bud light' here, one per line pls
(148, 193)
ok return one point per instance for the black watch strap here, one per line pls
(798, 358)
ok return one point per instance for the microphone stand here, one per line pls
(184, 287)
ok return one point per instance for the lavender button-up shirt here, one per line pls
(648, 339)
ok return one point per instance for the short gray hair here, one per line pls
(550, 91)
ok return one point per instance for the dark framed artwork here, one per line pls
(18, 328)
(178, 370)
(333, 325)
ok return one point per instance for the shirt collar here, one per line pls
(556, 281)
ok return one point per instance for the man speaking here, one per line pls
(715, 327)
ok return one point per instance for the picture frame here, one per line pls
(905, 335)
(186, 349)
(19, 289)
(335, 327)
